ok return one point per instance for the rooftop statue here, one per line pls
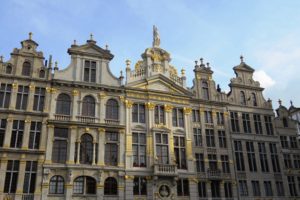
(156, 38)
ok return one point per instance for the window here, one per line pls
(254, 101)
(30, 177)
(196, 115)
(84, 185)
(269, 126)
(285, 122)
(138, 113)
(210, 138)
(60, 144)
(243, 189)
(274, 157)
(88, 106)
(251, 156)
(242, 98)
(268, 188)
(63, 104)
(222, 139)
(22, 97)
(246, 122)
(279, 188)
(263, 157)
(228, 190)
(197, 137)
(139, 186)
(139, 149)
(90, 71)
(292, 186)
(200, 162)
(56, 185)
(86, 149)
(162, 148)
(35, 135)
(11, 176)
(255, 188)
(287, 161)
(112, 109)
(215, 189)
(220, 118)
(179, 151)
(39, 98)
(42, 73)
(208, 117)
(183, 187)
(8, 69)
(239, 158)
(212, 162)
(111, 148)
(2, 131)
(5, 92)
(293, 142)
(225, 164)
(284, 142)
(202, 189)
(257, 124)
(234, 119)
(110, 186)
(177, 116)
(26, 68)
(17, 134)
(205, 91)
(296, 161)
(159, 114)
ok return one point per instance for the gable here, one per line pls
(91, 49)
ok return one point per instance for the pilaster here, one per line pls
(30, 97)
(71, 149)
(101, 143)
(50, 141)
(26, 134)
(13, 96)
(8, 131)
(121, 148)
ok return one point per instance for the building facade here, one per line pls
(82, 133)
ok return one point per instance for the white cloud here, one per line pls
(265, 80)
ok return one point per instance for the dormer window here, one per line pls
(26, 68)
(242, 98)
(8, 69)
(90, 71)
(205, 90)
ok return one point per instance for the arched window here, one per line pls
(254, 99)
(112, 109)
(56, 185)
(84, 185)
(26, 68)
(110, 186)
(42, 73)
(86, 149)
(205, 90)
(8, 69)
(243, 98)
(88, 106)
(63, 104)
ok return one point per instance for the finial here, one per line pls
(106, 47)
(207, 64)
(242, 58)
(291, 102)
(74, 42)
(1, 58)
(183, 72)
(30, 35)
(279, 101)
(196, 62)
(201, 61)
(128, 62)
(56, 65)
(91, 36)
(156, 38)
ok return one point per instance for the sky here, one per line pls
(265, 32)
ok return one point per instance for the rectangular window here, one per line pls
(162, 148)
(30, 177)
(215, 189)
(11, 176)
(60, 145)
(90, 71)
(220, 118)
(111, 148)
(284, 142)
(274, 157)
(296, 161)
(139, 149)
(243, 189)
(279, 188)
(22, 97)
(200, 162)
(251, 156)
(293, 142)
(268, 188)
(202, 189)
(239, 158)
(183, 187)
(197, 137)
(234, 119)
(222, 139)
(292, 186)
(255, 188)
(179, 151)
(269, 125)
(225, 163)
(159, 114)
(228, 189)
(2, 131)
(138, 113)
(5, 93)
(263, 157)
(210, 138)
(208, 117)
(178, 118)
(139, 185)
(17, 134)
(287, 161)
(196, 115)
(246, 122)
(257, 124)
(35, 135)
(39, 98)
(212, 162)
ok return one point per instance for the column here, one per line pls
(50, 141)
(208, 188)
(39, 177)
(102, 96)
(13, 96)
(188, 139)
(78, 151)
(31, 97)
(71, 149)
(129, 187)
(168, 119)
(150, 188)
(150, 123)
(3, 166)
(94, 152)
(101, 143)
(193, 184)
(26, 134)
(47, 106)
(43, 141)
(8, 131)
(100, 186)
(121, 148)
(128, 118)
(121, 188)
(21, 178)
(74, 110)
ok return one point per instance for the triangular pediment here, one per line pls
(244, 67)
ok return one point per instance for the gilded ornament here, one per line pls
(150, 105)
(75, 92)
(15, 85)
(187, 110)
(168, 108)
(128, 103)
(31, 87)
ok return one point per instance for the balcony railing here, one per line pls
(87, 119)
(28, 197)
(214, 173)
(9, 197)
(112, 121)
(165, 170)
(62, 117)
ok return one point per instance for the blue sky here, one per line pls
(266, 33)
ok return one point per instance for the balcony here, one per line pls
(62, 117)
(112, 121)
(87, 119)
(214, 173)
(28, 197)
(165, 170)
(9, 197)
